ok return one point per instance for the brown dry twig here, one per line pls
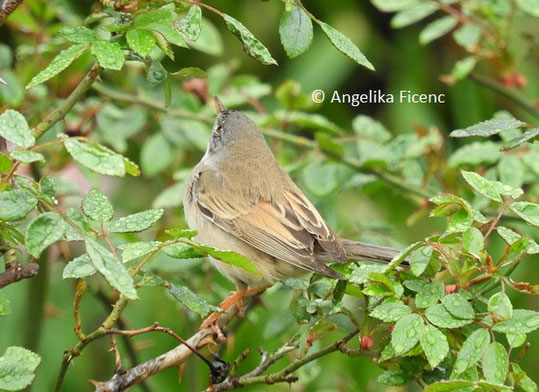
(124, 379)
(15, 272)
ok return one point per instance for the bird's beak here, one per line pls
(219, 107)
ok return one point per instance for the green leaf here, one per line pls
(511, 237)
(97, 206)
(434, 344)
(448, 204)
(488, 128)
(394, 377)
(96, 157)
(156, 154)
(390, 311)
(17, 367)
(27, 156)
(523, 321)
(321, 177)
(13, 127)
(460, 221)
(5, 307)
(78, 268)
(529, 6)
(309, 120)
(515, 339)
(528, 136)
(44, 230)
(376, 289)
(495, 363)
(79, 34)
(192, 301)
(392, 5)
(524, 382)
(181, 251)
(131, 167)
(170, 34)
(141, 41)
(134, 250)
(472, 241)
(16, 204)
(437, 29)
(482, 185)
(181, 233)
(527, 211)
(135, 222)
(228, 257)
(475, 154)
(163, 44)
(251, 45)
(462, 69)
(164, 16)
(412, 14)
(210, 40)
(58, 64)
(429, 295)
(157, 74)
(472, 350)
(345, 46)
(296, 31)
(368, 128)
(465, 386)
(363, 270)
(419, 259)
(111, 268)
(108, 54)
(189, 73)
(406, 333)
(500, 307)
(468, 36)
(5, 164)
(511, 171)
(399, 258)
(191, 25)
(440, 317)
(458, 306)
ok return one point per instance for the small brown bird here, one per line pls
(238, 198)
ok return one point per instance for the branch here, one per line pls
(15, 272)
(68, 103)
(516, 98)
(285, 375)
(6, 8)
(173, 358)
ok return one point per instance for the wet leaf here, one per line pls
(97, 206)
(44, 230)
(406, 333)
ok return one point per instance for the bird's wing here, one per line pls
(288, 230)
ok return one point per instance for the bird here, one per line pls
(240, 199)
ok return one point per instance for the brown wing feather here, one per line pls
(287, 230)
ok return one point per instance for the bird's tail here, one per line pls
(368, 252)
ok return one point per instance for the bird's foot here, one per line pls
(232, 298)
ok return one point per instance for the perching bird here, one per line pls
(238, 198)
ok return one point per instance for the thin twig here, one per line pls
(513, 96)
(173, 358)
(155, 327)
(498, 217)
(6, 8)
(68, 103)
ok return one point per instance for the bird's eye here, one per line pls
(219, 129)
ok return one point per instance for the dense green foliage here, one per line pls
(118, 96)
